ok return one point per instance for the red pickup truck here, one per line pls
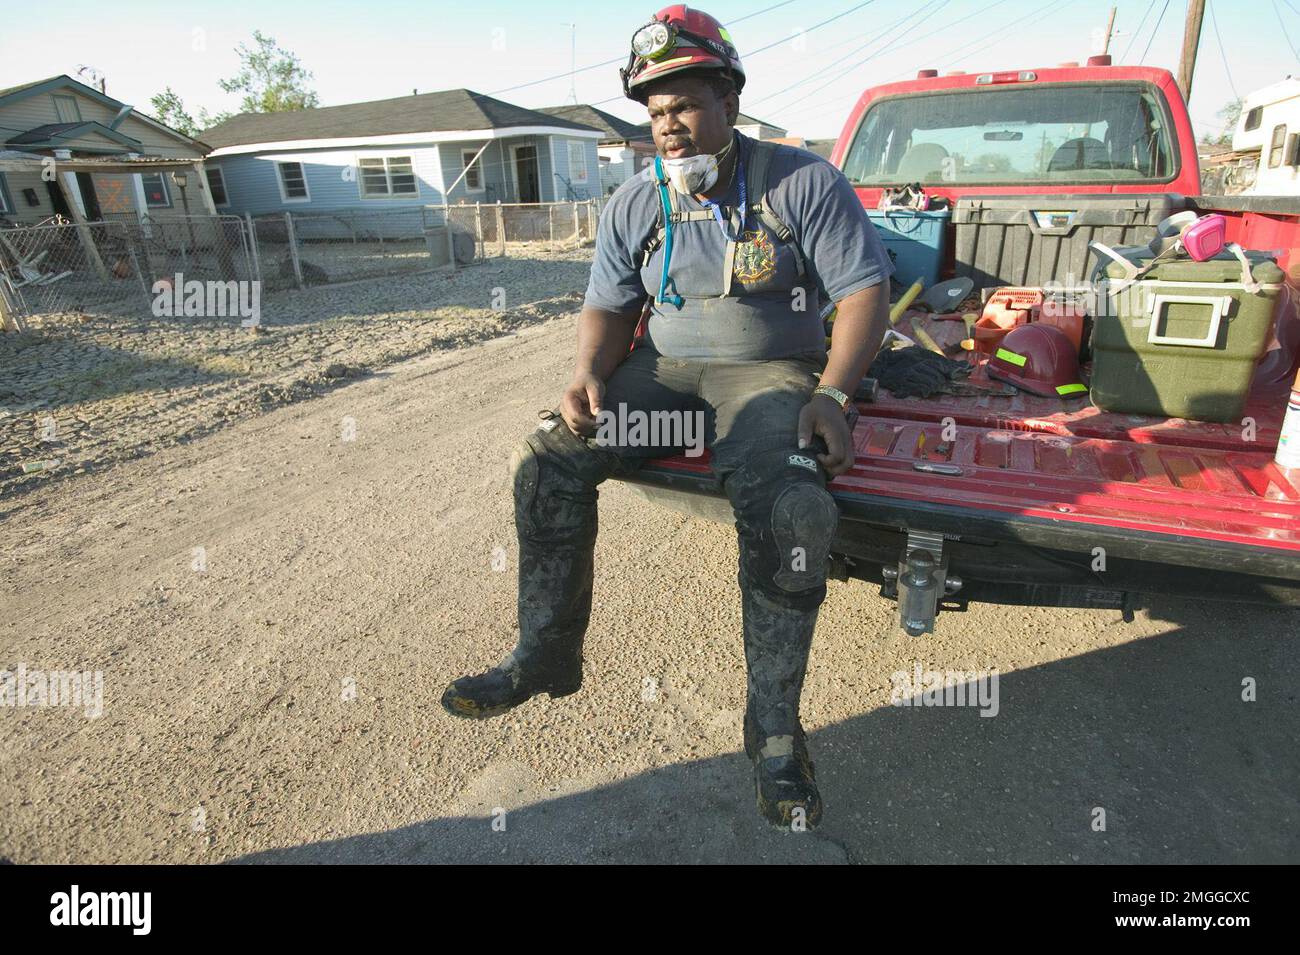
(1030, 500)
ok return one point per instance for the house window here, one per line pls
(217, 186)
(155, 190)
(577, 162)
(1275, 146)
(1253, 117)
(67, 109)
(293, 182)
(6, 204)
(473, 178)
(387, 176)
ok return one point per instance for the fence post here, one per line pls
(577, 232)
(139, 274)
(293, 249)
(252, 246)
(479, 251)
(501, 228)
(10, 311)
(451, 245)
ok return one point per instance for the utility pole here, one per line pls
(1110, 28)
(1191, 40)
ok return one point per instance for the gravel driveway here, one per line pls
(275, 609)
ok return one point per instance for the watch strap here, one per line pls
(839, 397)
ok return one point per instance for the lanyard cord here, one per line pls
(744, 204)
(664, 281)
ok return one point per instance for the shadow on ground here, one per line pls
(1154, 732)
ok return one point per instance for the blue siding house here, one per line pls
(454, 146)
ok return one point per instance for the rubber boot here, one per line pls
(777, 642)
(555, 520)
(555, 585)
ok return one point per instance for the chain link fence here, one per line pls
(111, 267)
(59, 266)
(70, 268)
(315, 248)
(517, 229)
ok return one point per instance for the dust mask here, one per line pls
(690, 175)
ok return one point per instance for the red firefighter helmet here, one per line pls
(676, 39)
(1040, 359)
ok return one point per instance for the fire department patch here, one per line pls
(755, 257)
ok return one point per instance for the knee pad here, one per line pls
(786, 520)
(804, 518)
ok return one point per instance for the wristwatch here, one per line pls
(837, 396)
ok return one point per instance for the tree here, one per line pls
(168, 108)
(271, 79)
(1230, 114)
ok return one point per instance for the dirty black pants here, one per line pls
(746, 413)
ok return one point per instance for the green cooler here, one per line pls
(1183, 340)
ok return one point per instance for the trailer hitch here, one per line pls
(920, 582)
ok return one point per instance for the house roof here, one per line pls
(744, 119)
(443, 111)
(54, 133)
(26, 86)
(822, 147)
(616, 129)
(50, 83)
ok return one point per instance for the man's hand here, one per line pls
(581, 402)
(823, 416)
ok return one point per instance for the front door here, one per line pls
(526, 173)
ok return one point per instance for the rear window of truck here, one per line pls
(1016, 134)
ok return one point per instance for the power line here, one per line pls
(996, 36)
(891, 47)
(621, 59)
(1141, 24)
(1278, 14)
(887, 48)
(1214, 21)
(815, 26)
(1156, 29)
(822, 70)
(780, 42)
(784, 3)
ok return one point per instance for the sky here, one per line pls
(802, 76)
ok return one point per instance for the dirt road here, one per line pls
(275, 610)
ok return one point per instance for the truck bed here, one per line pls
(1063, 475)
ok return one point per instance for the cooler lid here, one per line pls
(1224, 267)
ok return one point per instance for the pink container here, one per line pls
(1204, 238)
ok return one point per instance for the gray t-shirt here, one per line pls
(763, 317)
